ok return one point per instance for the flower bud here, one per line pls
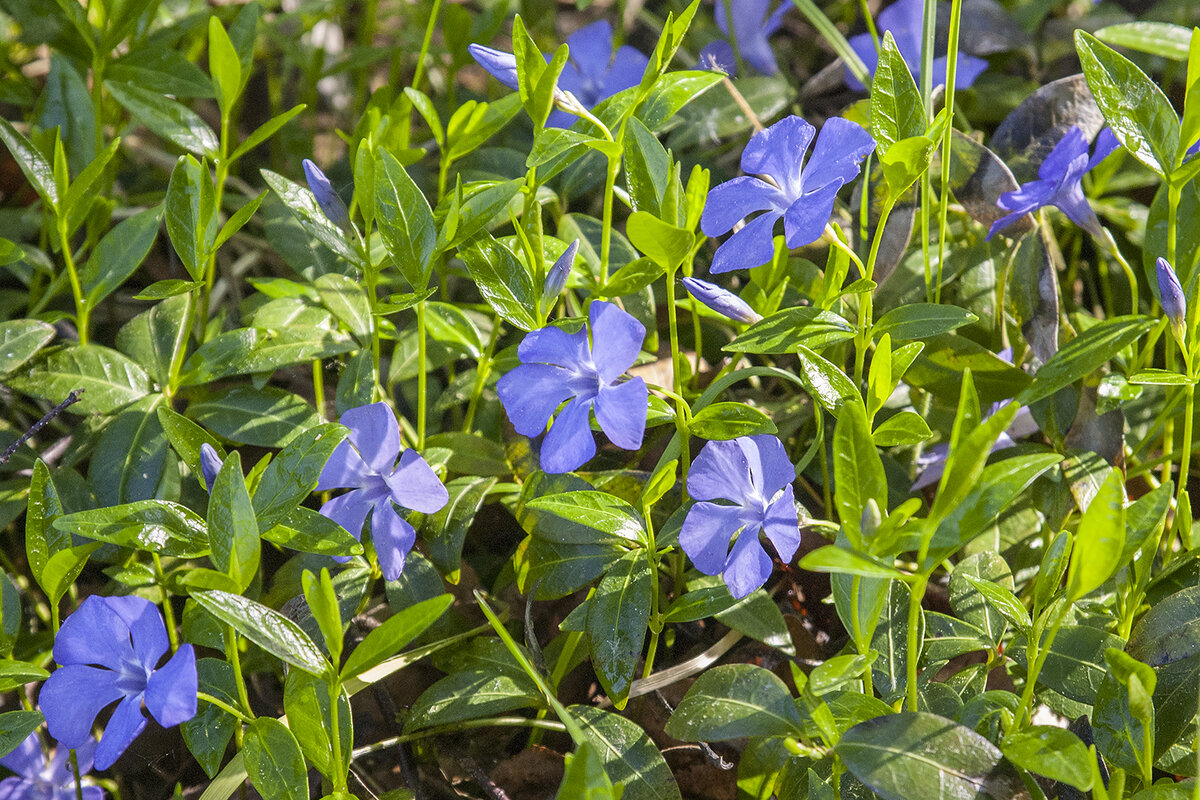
(210, 465)
(327, 198)
(1170, 293)
(721, 300)
(556, 278)
(501, 65)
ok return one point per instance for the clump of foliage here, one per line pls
(611, 428)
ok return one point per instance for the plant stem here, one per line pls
(82, 312)
(422, 387)
(482, 369)
(681, 425)
(916, 595)
(610, 179)
(947, 139)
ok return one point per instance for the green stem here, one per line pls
(74, 761)
(233, 656)
(422, 386)
(168, 612)
(681, 424)
(916, 595)
(318, 387)
(947, 139)
(221, 704)
(418, 73)
(180, 344)
(610, 180)
(482, 370)
(335, 737)
(82, 312)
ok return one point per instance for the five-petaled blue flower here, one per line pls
(557, 366)
(721, 300)
(39, 779)
(592, 73)
(366, 463)
(755, 474)
(905, 20)
(752, 29)
(1059, 182)
(110, 650)
(328, 199)
(802, 196)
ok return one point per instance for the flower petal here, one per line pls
(569, 444)
(905, 19)
(837, 156)
(415, 485)
(1069, 198)
(748, 565)
(26, 759)
(591, 49)
(864, 46)
(530, 394)
(393, 537)
(621, 412)
(718, 54)
(551, 345)
(327, 197)
(72, 697)
(345, 469)
(146, 627)
(752, 246)
(781, 524)
(934, 464)
(171, 690)
(1058, 163)
(628, 68)
(501, 65)
(210, 464)
(777, 151)
(18, 789)
(806, 218)
(773, 470)
(94, 634)
(374, 434)
(349, 510)
(123, 727)
(722, 470)
(969, 68)
(734, 200)
(1106, 142)
(617, 339)
(706, 533)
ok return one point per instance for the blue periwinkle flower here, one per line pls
(1060, 182)
(39, 779)
(110, 650)
(755, 475)
(210, 465)
(327, 198)
(557, 366)
(366, 463)
(802, 196)
(721, 300)
(1170, 293)
(905, 20)
(752, 28)
(556, 278)
(592, 73)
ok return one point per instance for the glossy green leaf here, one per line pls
(471, 694)
(598, 511)
(1055, 753)
(729, 421)
(191, 214)
(503, 281)
(267, 417)
(827, 384)
(156, 526)
(267, 628)
(1004, 601)
(119, 254)
(1101, 539)
(904, 427)
(394, 634)
(63, 568)
(20, 339)
(618, 616)
(232, 528)
(584, 777)
(37, 169)
(857, 472)
(666, 244)
(831, 558)
(1156, 38)
(42, 539)
(405, 220)
(166, 117)
(446, 531)
(130, 460)
(265, 131)
(897, 111)
(629, 756)
(274, 762)
(303, 205)
(347, 300)
(109, 379)
(15, 727)
(224, 66)
(735, 701)
(306, 531)
(921, 321)
(782, 331)
(293, 474)
(306, 702)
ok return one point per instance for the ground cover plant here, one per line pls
(510, 399)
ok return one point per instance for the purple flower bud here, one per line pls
(210, 465)
(556, 278)
(721, 300)
(1170, 293)
(327, 198)
(501, 65)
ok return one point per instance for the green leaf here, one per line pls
(308, 532)
(119, 254)
(629, 756)
(647, 168)
(1189, 126)
(86, 187)
(151, 337)
(1135, 107)
(1101, 539)
(968, 604)
(921, 321)
(303, 205)
(503, 281)
(166, 117)
(224, 66)
(757, 616)
(472, 694)
(905, 162)
(904, 427)
(839, 560)
(782, 331)
(405, 220)
(632, 278)
(238, 220)
(618, 615)
(42, 539)
(446, 531)
(394, 634)
(474, 123)
(916, 754)
(255, 350)
(156, 526)
(1155, 38)
(267, 628)
(15, 727)
(10, 628)
(274, 762)
(666, 244)
(1075, 666)
(347, 300)
(896, 108)
(1170, 630)
(857, 472)
(20, 339)
(267, 417)
(232, 528)
(265, 131)
(598, 511)
(292, 475)
(1055, 753)
(323, 604)
(671, 93)
(16, 673)
(306, 703)
(130, 460)
(827, 384)
(171, 287)
(729, 421)
(735, 701)
(191, 214)
(37, 169)
(109, 379)
(1004, 601)
(63, 568)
